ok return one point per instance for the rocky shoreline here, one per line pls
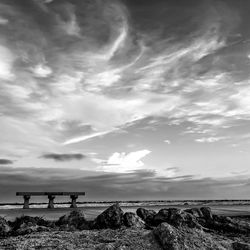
(170, 229)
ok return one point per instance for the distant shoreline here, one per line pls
(209, 201)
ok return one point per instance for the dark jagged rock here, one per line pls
(4, 227)
(132, 220)
(146, 215)
(227, 224)
(110, 218)
(161, 216)
(207, 213)
(31, 221)
(27, 224)
(176, 217)
(194, 211)
(240, 246)
(73, 220)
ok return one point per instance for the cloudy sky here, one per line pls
(125, 99)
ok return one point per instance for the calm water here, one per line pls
(91, 211)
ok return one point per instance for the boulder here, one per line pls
(112, 218)
(4, 227)
(176, 217)
(146, 215)
(25, 219)
(73, 220)
(227, 224)
(132, 220)
(161, 216)
(184, 238)
(240, 246)
(27, 224)
(194, 211)
(207, 213)
(168, 237)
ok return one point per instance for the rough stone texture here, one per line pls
(240, 246)
(132, 220)
(161, 216)
(27, 224)
(112, 218)
(194, 211)
(226, 224)
(207, 213)
(176, 217)
(168, 237)
(73, 220)
(31, 221)
(146, 215)
(4, 227)
(172, 238)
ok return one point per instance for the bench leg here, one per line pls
(51, 201)
(73, 201)
(26, 199)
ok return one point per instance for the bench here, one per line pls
(51, 197)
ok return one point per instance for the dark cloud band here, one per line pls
(5, 162)
(63, 157)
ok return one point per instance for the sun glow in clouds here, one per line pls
(125, 163)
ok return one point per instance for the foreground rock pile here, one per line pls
(170, 229)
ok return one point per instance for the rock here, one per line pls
(240, 246)
(226, 224)
(194, 211)
(132, 220)
(161, 216)
(207, 213)
(167, 236)
(31, 221)
(110, 218)
(146, 215)
(73, 220)
(27, 224)
(4, 227)
(184, 238)
(176, 217)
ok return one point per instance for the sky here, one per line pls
(125, 99)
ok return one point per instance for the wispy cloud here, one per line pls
(210, 139)
(72, 71)
(87, 137)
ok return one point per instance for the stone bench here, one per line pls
(51, 197)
